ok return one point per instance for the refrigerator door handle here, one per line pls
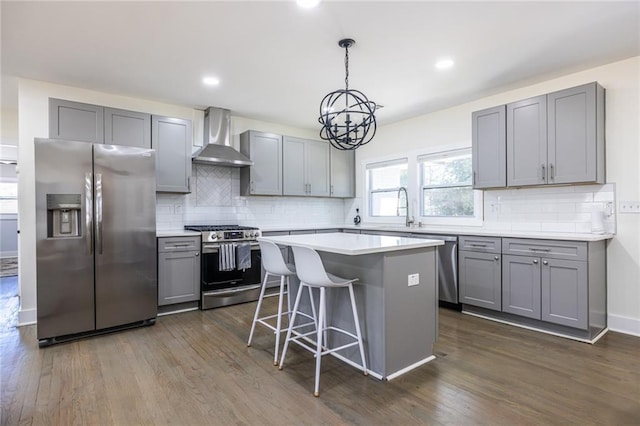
(99, 212)
(88, 201)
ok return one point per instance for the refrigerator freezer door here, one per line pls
(65, 288)
(125, 224)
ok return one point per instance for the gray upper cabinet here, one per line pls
(489, 148)
(343, 175)
(265, 176)
(171, 138)
(306, 166)
(128, 128)
(76, 121)
(527, 142)
(557, 138)
(97, 124)
(576, 135)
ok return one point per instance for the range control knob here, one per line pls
(220, 235)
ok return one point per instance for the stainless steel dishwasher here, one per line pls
(447, 269)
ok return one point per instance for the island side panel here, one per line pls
(410, 311)
(369, 295)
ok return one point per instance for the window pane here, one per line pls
(393, 176)
(447, 201)
(447, 171)
(384, 203)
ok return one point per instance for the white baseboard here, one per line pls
(624, 325)
(27, 317)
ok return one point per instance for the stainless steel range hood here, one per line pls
(217, 148)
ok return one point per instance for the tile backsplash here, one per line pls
(567, 209)
(215, 199)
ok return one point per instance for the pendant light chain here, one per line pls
(346, 67)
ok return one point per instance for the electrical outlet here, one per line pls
(413, 279)
(629, 207)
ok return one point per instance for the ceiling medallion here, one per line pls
(347, 116)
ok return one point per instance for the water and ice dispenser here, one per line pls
(63, 215)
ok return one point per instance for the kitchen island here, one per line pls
(396, 295)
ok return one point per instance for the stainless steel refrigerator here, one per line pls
(96, 238)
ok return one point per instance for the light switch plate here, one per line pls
(413, 279)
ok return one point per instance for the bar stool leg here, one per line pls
(279, 319)
(255, 316)
(296, 305)
(358, 333)
(320, 334)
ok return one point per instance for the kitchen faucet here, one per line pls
(407, 221)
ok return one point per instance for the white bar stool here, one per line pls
(274, 264)
(312, 274)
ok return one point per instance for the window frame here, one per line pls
(478, 207)
(372, 165)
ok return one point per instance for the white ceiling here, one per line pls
(276, 61)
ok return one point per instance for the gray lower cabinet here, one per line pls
(559, 282)
(521, 286)
(565, 296)
(488, 148)
(306, 165)
(178, 270)
(172, 140)
(343, 173)
(480, 279)
(76, 121)
(265, 176)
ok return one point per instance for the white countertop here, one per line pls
(177, 233)
(451, 230)
(352, 244)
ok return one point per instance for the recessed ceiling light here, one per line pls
(211, 81)
(308, 4)
(444, 63)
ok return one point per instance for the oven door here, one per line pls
(222, 288)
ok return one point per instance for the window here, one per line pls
(383, 182)
(445, 185)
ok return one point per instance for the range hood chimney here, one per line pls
(217, 148)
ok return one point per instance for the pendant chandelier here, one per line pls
(347, 116)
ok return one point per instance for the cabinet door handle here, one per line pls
(331, 190)
(251, 186)
(197, 253)
(551, 172)
(477, 245)
(545, 262)
(188, 183)
(544, 173)
(496, 257)
(474, 178)
(535, 261)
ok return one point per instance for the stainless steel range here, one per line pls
(230, 265)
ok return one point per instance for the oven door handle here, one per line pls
(230, 292)
(215, 247)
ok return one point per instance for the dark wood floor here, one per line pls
(195, 368)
